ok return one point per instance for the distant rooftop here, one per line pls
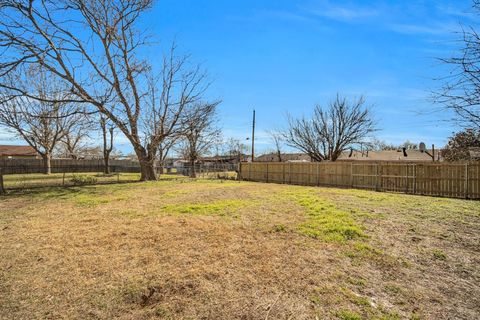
(286, 157)
(391, 155)
(11, 151)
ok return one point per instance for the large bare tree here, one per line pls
(200, 132)
(97, 48)
(41, 123)
(331, 130)
(460, 91)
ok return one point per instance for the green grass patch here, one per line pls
(325, 221)
(362, 250)
(349, 315)
(216, 208)
(439, 255)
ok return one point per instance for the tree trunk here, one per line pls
(147, 163)
(161, 160)
(147, 169)
(106, 161)
(193, 173)
(47, 165)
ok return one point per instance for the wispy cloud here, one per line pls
(406, 18)
(344, 13)
(432, 29)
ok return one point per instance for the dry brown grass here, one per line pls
(228, 250)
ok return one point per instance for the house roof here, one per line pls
(6, 150)
(286, 157)
(390, 155)
(223, 158)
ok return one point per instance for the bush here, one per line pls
(81, 180)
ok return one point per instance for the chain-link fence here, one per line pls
(26, 177)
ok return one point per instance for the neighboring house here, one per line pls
(390, 155)
(179, 163)
(18, 152)
(286, 157)
(384, 155)
(233, 159)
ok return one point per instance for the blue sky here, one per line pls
(285, 56)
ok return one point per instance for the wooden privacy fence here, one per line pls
(456, 180)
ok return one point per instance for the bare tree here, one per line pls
(96, 47)
(76, 134)
(200, 131)
(164, 150)
(42, 124)
(166, 107)
(376, 144)
(461, 87)
(107, 136)
(277, 139)
(331, 130)
(459, 145)
(234, 148)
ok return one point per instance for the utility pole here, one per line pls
(253, 137)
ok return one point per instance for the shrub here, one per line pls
(81, 180)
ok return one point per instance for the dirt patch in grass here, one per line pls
(212, 250)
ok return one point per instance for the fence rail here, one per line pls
(455, 180)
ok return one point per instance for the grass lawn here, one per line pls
(207, 249)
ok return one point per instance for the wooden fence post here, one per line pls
(318, 174)
(2, 188)
(466, 180)
(377, 184)
(406, 178)
(290, 172)
(283, 169)
(266, 169)
(414, 179)
(351, 174)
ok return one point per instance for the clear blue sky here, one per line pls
(280, 56)
(284, 56)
